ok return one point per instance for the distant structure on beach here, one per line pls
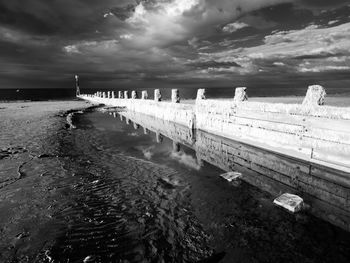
(77, 85)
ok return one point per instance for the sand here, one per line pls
(29, 156)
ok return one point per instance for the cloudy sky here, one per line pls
(174, 43)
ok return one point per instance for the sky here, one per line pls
(174, 43)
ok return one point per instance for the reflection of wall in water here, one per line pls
(330, 199)
(171, 130)
(277, 174)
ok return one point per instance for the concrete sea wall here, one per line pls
(309, 131)
(326, 190)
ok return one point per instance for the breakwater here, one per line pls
(310, 131)
(329, 199)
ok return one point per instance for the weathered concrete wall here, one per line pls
(319, 134)
(309, 131)
(176, 112)
(325, 189)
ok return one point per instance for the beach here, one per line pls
(111, 190)
(31, 164)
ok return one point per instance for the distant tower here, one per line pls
(77, 85)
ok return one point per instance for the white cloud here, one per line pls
(107, 14)
(126, 36)
(71, 49)
(170, 21)
(233, 27)
(329, 47)
(333, 22)
(96, 47)
(16, 36)
(316, 69)
(280, 64)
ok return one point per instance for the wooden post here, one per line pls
(77, 85)
(315, 96)
(134, 94)
(176, 146)
(200, 94)
(175, 96)
(126, 94)
(144, 95)
(240, 94)
(157, 95)
(136, 126)
(159, 137)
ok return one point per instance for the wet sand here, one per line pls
(95, 193)
(30, 166)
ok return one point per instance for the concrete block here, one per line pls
(290, 202)
(175, 96)
(136, 126)
(157, 95)
(144, 95)
(240, 94)
(176, 146)
(126, 94)
(134, 94)
(200, 94)
(159, 137)
(104, 95)
(231, 176)
(108, 94)
(315, 96)
(113, 95)
(120, 95)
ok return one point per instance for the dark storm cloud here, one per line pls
(214, 64)
(285, 14)
(123, 13)
(324, 3)
(193, 42)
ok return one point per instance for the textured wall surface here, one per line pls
(327, 191)
(320, 134)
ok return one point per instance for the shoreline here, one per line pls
(32, 166)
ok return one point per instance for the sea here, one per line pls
(44, 94)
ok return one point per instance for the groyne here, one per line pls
(310, 131)
(326, 190)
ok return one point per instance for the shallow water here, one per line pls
(137, 196)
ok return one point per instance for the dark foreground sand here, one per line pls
(29, 154)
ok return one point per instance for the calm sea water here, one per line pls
(142, 197)
(185, 93)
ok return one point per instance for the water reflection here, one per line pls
(154, 194)
(321, 187)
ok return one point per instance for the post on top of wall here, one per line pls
(175, 96)
(144, 95)
(315, 96)
(157, 95)
(126, 94)
(240, 94)
(200, 94)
